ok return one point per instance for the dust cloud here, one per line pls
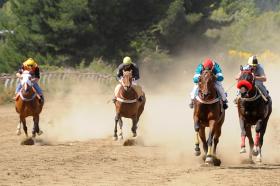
(86, 112)
(81, 113)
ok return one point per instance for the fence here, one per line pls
(10, 82)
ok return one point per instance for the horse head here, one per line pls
(206, 84)
(25, 81)
(246, 82)
(127, 80)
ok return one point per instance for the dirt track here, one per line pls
(72, 160)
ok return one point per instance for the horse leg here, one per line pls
(117, 118)
(216, 140)
(19, 128)
(36, 128)
(262, 132)
(243, 135)
(134, 126)
(23, 121)
(203, 139)
(257, 137)
(209, 156)
(121, 125)
(250, 138)
(196, 128)
(216, 161)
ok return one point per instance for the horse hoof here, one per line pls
(204, 157)
(40, 132)
(243, 150)
(33, 135)
(115, 138)
(18, 132)
(255, 152)
(197, 153)
(134, 135)
(258, 160)
(209, 160)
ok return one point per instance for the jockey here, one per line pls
(209, 64)
(128, 65)
(33, 68)
(259, 74)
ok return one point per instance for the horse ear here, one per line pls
(241, 67)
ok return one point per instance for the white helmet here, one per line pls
(253, 61)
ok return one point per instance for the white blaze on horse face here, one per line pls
(26, 79)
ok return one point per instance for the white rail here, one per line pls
(10, 81)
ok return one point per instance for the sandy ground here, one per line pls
(77, 148)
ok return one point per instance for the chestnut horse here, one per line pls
(208, 112)
(127, 105)
(28, 104)
(252, 110)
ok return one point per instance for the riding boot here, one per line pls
(42, 99)
(225, 105)
(191, 104)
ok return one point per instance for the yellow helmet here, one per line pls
(29, 63)
(253, 61)
(127, 60)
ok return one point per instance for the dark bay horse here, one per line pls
(28, 104)
(208, 112)
(252, 110)
(127, 105)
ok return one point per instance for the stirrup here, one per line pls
(42, 99)
(225, 105)
(191, 104)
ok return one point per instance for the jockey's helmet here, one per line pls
(253, 61)
(208, 63)
(127, 60)
(29, 63)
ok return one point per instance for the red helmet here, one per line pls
(208, 63)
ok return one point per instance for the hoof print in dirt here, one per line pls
(27, 141)
(130, 142)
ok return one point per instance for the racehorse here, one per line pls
(127, 105)
(28, 104)
(252, 110)
(208, 112)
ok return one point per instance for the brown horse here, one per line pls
(208, 112)
(28, 104)
(252, 110)
(127, 105)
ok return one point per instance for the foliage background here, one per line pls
(78, 33)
